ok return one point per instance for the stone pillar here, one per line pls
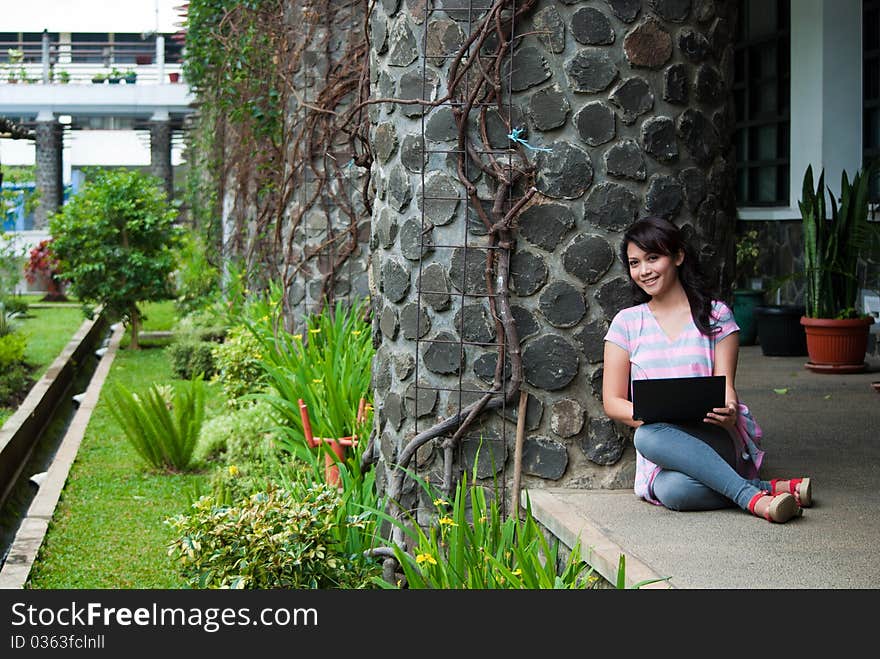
(160, 152)
(627, 111)
(50, 183)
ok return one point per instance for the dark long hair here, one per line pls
(660, 236)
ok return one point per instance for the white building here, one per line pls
(50, 52)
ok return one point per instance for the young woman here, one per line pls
(679, 331)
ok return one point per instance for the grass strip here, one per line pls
(108, 530)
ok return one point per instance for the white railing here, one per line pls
(87, 63)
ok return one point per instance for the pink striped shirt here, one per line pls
(652, 354)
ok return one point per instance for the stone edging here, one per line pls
(18, 433)
(32, 530)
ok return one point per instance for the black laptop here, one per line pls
(678, 400)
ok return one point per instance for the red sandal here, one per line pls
(781, 509)
(799, 487)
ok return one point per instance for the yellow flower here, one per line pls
(317, 381)
(233, 470)
(517, 571)
(446, 521)
(426, 558)
(356, 332)
(441, 502)
(314, 331)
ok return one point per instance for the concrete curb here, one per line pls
(597, 549)
(37, 409)
(32, 530)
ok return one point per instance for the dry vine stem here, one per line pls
(476, 80)
(314, 143)
(325, 134)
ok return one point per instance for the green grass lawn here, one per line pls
(48, 329)
(108, 530)
(158, 316)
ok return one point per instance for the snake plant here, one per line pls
(832, 248)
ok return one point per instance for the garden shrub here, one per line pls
(15, 382)
(267, 540)
(12, 347)
(196, 278)
(238, 363)
(239, 436)
(190, 358)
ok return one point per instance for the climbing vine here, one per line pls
(283, 137)
(280, 131)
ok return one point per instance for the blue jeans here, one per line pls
(697, 463)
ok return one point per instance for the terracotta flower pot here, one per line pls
(836, 346)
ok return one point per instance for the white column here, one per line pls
(826, 91)
(160, 59)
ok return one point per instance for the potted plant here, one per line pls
(99, 78)
(837, 334)
(748, 293)
(130, 76)
(63, 77)
(115, 76)
(15, 66)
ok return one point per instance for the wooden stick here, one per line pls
(517, 453)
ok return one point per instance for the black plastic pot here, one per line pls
(780, 332)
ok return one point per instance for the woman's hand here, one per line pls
(725, 417)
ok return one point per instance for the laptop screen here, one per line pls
(677, 399)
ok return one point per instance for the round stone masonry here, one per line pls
(621, 105)
(611, 206)
(590, 70)
(564, 172)
(544, 457)
(591, 27)
(567, 417)
(648, 45)
(596, 123)
(416, 241)
(548, 108)
(588, 257)
(634, 98)
(545, 224)
(562, 304)
(550, 362)
(551, 28)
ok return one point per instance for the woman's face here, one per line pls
(654, 273)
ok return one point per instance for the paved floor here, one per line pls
(824, 426)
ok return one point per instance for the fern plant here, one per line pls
(163, 424)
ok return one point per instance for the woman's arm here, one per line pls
(726, 355)
(615, 385)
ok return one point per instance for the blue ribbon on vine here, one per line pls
(514, 136)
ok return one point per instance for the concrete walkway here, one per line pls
(824, 426)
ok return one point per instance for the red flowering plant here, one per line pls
(43, 264)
